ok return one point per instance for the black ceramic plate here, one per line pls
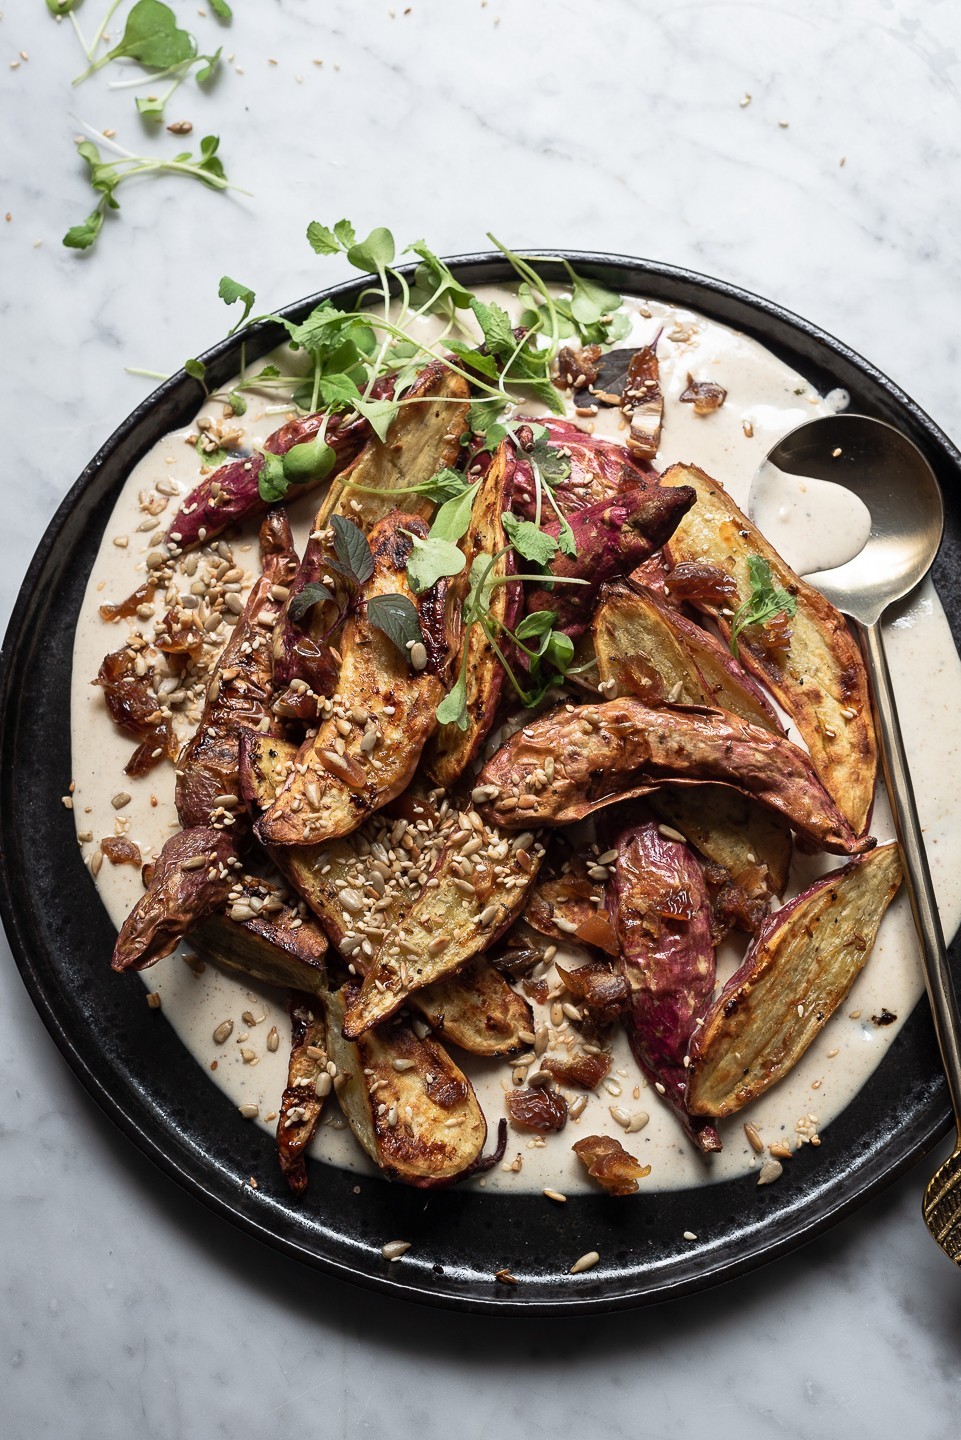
(139, 1072)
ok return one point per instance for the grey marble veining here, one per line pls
(125, 1308)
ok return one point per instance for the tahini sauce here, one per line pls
(765, 400)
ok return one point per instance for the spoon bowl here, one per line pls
(896, 484)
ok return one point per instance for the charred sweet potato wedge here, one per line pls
(612, 538)
(482, 879)
(623, 748)
(657, 654)
(659, 904)
(607, 1162)
(794, 977)
(413, 1111)
(451, 750)
(338, 781)
(191, 878)
(424, 438)
(263, 933)
(476, 1009)
(238, 695)
(819, 677)
(308, 1085)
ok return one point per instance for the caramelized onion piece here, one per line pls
(133, 707)
(607, 1162)
(586, 1071)
(120, 851)
(123, 610)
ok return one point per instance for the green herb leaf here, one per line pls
(445, 485)
(62, 7)
(82, 236)
(312, 460)
(210, 459)
(230, 291)
(221, 9)
(433, 280)
(452, 710)
(152, 37)
(533, 626)
(559, 651)
(197, 370)
(306, 599)
(766, 600)
(352, 549)
(484, 365)
(550, 462)
(237, 402)
(374, 253)
(430, 560)
(495, 325)
(397, 617)
(453, 517)
(272, 483)
(322, 240)
(529, 540)
(209, 67)
(379, 414)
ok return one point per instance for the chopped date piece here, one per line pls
(586, 1071)
(143, 595)
(643, 403)
(120, 851)
(134, 708)
(543, 1111)
(177, 635)
(607, 1162)
(602, 990)
(705, 395)
(732, 907)
(578, 368)
(537, 990)
(702, 584)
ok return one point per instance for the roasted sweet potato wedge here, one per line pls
(600, 470)
(232, 493)
(657, 654)
(238, 695)
(308, 1085)
(603, 753)
(476, 1009)
(451, 750)
(659, 905)
(191, 878)
(795, 976)
(477, 888)
(424, 438)
(411, 1108)
(612, 537)
(340, 780)
(819, 677)
(752, 843)
(263, 933)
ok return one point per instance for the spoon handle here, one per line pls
(897, 777)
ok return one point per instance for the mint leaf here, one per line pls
(397, 617)
(495, 324)
(529, 540)
(445, 485)
(430, 560)
(221, 9)
(306, 599)
(352, 549)
(374, 253)
(230, 291)
(379, 414)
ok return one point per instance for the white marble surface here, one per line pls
(126, 1309)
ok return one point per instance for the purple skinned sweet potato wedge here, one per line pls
(595, 755)
(659, 906)
(190, 879)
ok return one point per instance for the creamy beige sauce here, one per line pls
(813, 524)
(765, 400)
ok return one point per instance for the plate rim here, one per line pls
(180, 386)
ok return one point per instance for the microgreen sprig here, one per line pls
(765, 601)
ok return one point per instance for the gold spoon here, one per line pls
(890, 475)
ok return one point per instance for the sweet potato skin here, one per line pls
(794, 977)
(819, 679)
(238, 696)
(612, 538)
(600, 470)
(180, 892)
(659, 906)
(623, 748)
(301, 1105)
